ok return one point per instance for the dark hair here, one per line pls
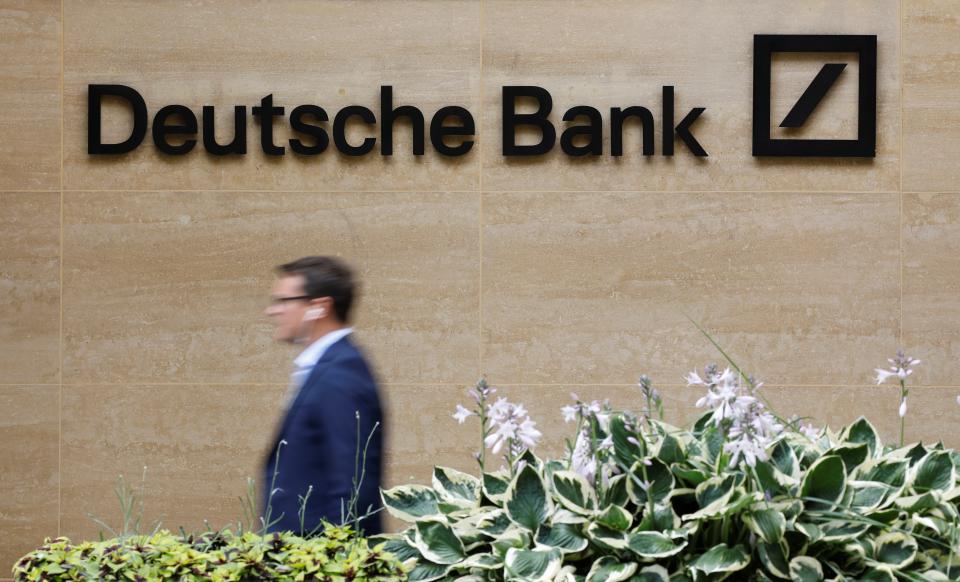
(325, 277)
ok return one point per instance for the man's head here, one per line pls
(311, 297)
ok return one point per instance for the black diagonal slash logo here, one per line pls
(865, 46)
(814, 94)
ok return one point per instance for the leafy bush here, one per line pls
(337, 556)
(742, 494)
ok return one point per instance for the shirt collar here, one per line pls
(309, 357)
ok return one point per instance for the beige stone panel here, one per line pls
(931, 95)
(931, 273)
(331, 54)
(932, 415)
(29, 476)
(596, 287)
(171, 287)
(30, 285)
(611, 53)
(30, 95)
(198, 444)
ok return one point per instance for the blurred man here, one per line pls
(331, 391)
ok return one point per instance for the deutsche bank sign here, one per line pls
(175, 128)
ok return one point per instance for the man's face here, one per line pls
(288, 308)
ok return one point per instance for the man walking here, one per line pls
(332, 407)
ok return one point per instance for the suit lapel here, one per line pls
(323, 364)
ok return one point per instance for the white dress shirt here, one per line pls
(308, 358)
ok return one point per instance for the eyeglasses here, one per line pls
(283, 300)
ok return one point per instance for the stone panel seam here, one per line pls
(255, 191)
(900, 217)
(60, 339)
(858, 192)
(488, 191)
(480, 211)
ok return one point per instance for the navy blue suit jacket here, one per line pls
(320, 430)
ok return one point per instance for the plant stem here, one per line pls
(903, 395)
(482, 412)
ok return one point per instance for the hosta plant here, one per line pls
(740, 495)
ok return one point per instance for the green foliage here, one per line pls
(840, 506)
(336, 556)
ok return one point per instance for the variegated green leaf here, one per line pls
(482, 562)
(574, 492)
(565, 537)
(861, 431)
(805, 569)
(721, 558)
(769, 524)
(438, 543)
(606, 537)
(652, 574)
(774, 558)
(456, 488)
(532, 565)
(653, 545)
(652, 477)
(608, 569)
(527, 501)
(934, 473)
(425, 571)
(896, 549)
(615, 517)
(410, 502)
(824, 483)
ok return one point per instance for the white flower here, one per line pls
(958, 399)
(766, 424)
(694, 379)
(810, 431)
(745, 449)
(582, 460)
(527, 434)
(903, 408)
(900, 366)
(462, 414)
(569, 413)
(505, 431)
(606, 444)
(500, 409)
(883, 375)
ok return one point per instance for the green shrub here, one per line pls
(336, 556)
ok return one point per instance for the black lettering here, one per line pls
(95, 94)
(161, 129)
(682, 129)
(339, 130)
(388, 115)
(239, 143)
(617, 118)
(594, 130)
(265, 114)
(438, 131)
(511, 119)
(319, 135)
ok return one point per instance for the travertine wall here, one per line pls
(131, 331)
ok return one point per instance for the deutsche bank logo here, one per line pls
(864, 46)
